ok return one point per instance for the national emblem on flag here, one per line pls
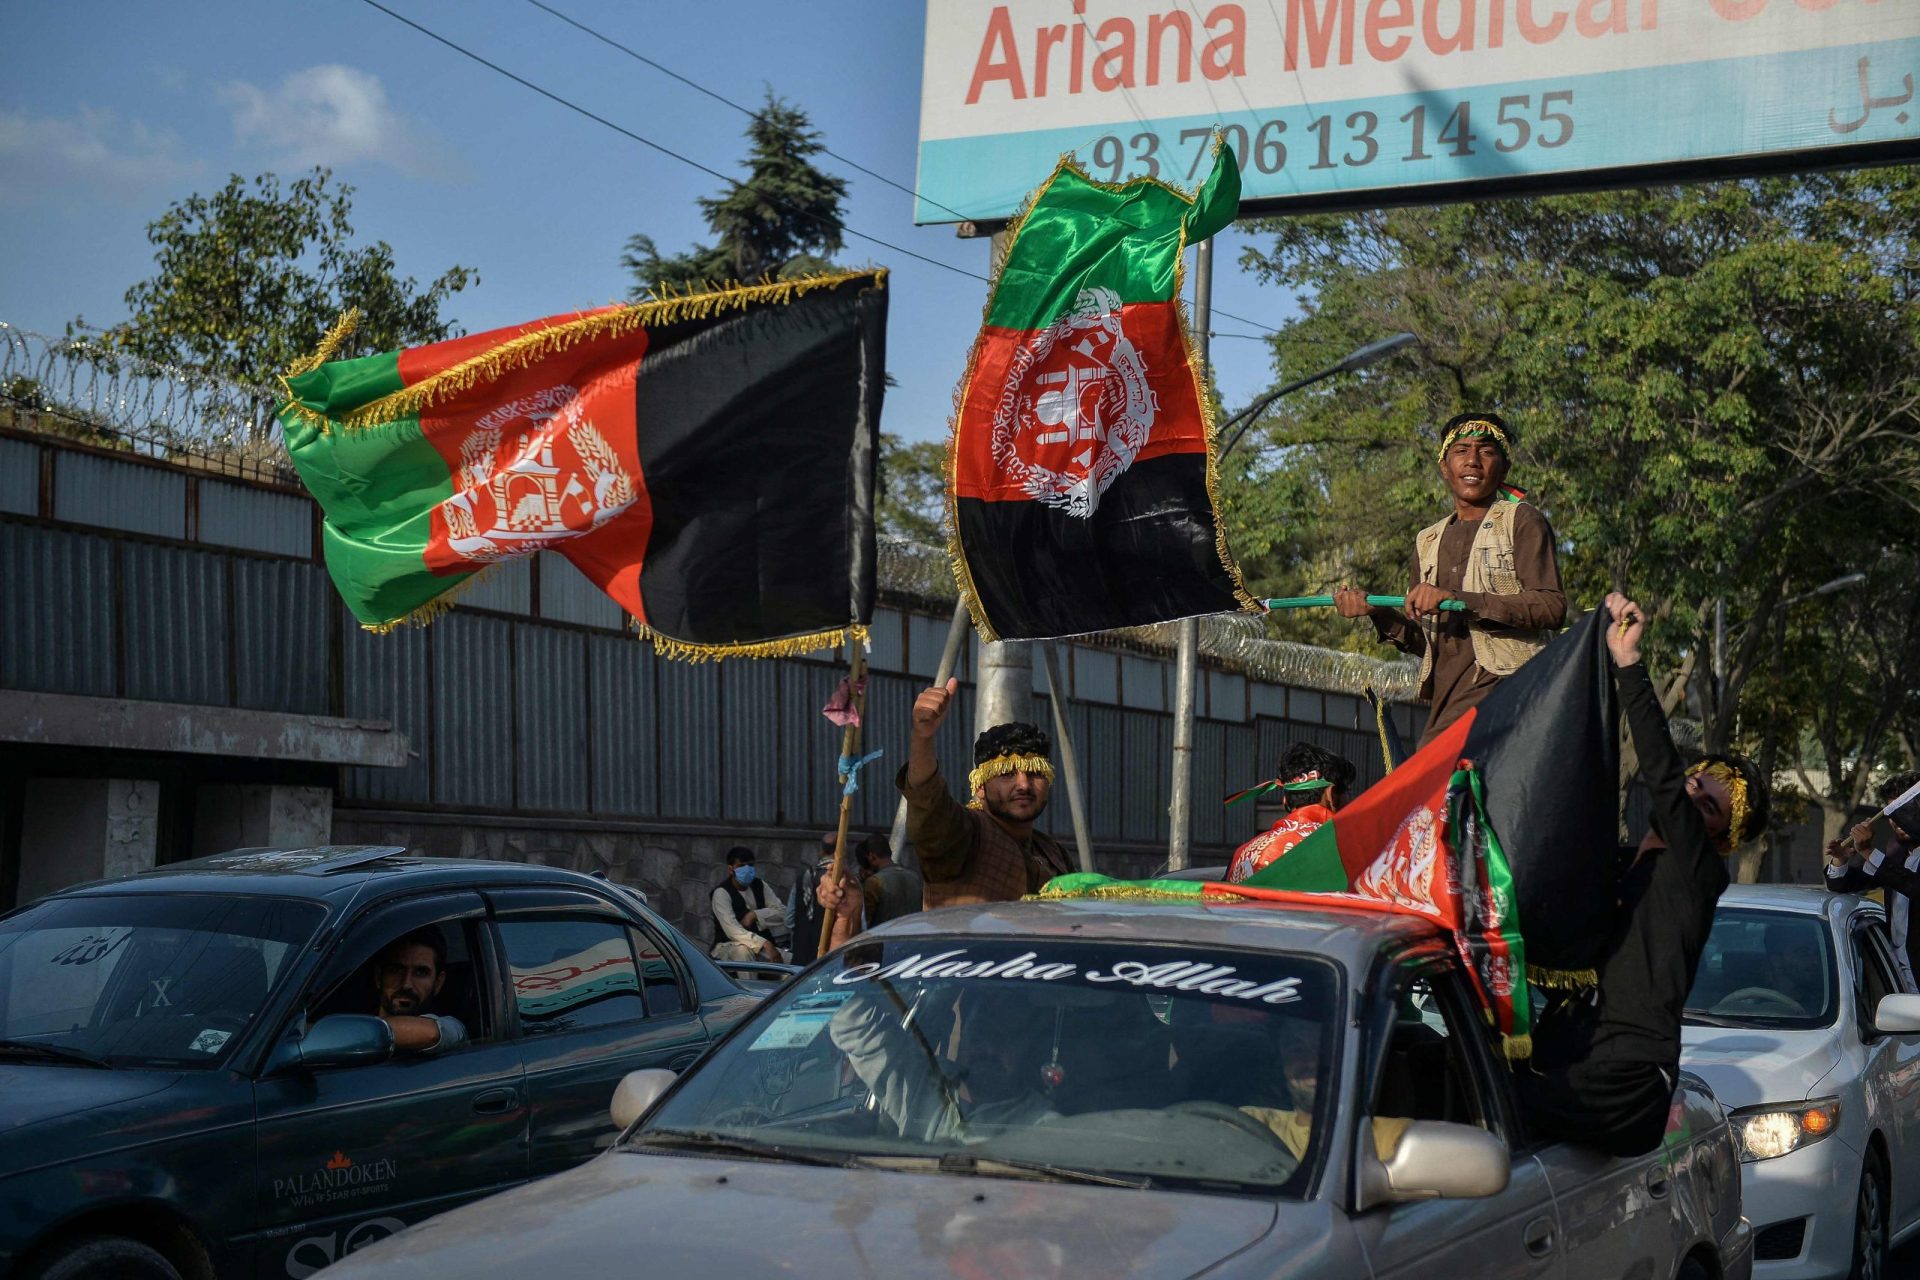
(707, 460)
(1081, 469)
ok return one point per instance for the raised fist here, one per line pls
(1624, 632)
(931, 707)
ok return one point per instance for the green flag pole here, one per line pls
(1389, 602)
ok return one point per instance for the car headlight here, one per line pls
(1775, 1130)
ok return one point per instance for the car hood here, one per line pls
(696, 1216)
(1747, 1067)
(33, 1095)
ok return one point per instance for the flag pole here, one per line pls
(949, 659)
(1069, 763)
(849, 750)
(1187, 653)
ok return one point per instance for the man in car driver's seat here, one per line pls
(1605, 1061)
(408, 975)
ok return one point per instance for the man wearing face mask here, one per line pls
(749, 916)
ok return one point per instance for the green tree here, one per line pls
(912, 499)
(248, 279)
(782, 221)
(1703, 379)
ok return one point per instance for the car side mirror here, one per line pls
(1898, 1015)
(337, 1040)
(1434, 1160)
(638, 1091)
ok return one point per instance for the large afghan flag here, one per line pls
(707, 460)
(1081, 473)
(1537, 763)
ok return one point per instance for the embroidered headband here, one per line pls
(1001, 765)
(1482, 429)
(1308, 781)
(1737, 809)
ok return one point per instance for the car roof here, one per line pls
(1804, 899)
(1347, 934)
(324, 873)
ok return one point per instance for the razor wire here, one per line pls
(1238, 641)
(63, 384)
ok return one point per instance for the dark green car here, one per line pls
(194, 1081)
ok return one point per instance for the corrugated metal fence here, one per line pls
(125, 578)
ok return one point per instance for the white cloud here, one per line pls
(336, 116)
(93, 154)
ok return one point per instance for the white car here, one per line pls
(1798, 1020)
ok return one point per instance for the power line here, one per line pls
(663, 150)
(721, 98)
(625, 132)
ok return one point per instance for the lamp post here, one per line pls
(1355, 360)
(1187, 633)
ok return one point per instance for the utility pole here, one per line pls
(1187, 654)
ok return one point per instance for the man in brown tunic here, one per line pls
(985, 851)
(1494, 554)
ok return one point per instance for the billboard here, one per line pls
(1349, 103)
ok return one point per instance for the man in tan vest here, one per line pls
(1495, 555)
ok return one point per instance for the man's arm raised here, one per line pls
(937, 824)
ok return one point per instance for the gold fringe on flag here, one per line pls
(531, 348)
(1562, 979)
(330, 345)
(1209, 415)
(1516, 1047)
(785, 647)
(434, 608)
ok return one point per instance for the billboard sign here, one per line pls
(1347, 103)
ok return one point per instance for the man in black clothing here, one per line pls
(1895, 867)
(1605, 1060)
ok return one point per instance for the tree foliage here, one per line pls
(1710, 383)
(782, 221)
(248, 279)
(911, 503)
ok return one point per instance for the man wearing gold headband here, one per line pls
(1606, 1046)
(987, 850)
(1495, 555)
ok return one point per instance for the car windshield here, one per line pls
(1079, 1060)
(142, 980)
(1771, 969)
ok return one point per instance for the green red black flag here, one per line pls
(706, 459)
(1081, 471)
(1537, 763)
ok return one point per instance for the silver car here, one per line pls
(1798, 1020)
(1095, 1089)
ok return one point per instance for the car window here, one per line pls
(1763, 968)
(416, 969)
(145, 980)
(658, 975)
(1181, 1065)
(1873, 976)
(1427, 1071)
(571, 973)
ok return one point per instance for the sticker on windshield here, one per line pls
(1185, 975)
(800, 1024)
(210, 1041)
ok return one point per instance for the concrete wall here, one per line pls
(78, 829)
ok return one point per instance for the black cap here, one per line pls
(1014, 738)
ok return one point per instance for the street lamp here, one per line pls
(1359, 359)
(1720, 622)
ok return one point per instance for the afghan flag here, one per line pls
(1537, 763)
(708, 460)
(1081, 471)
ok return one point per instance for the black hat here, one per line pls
(1014, 738)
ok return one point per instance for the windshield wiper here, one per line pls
(705, 1140)
(59, 1053)
(999, 1166)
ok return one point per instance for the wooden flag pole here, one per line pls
(849, 750)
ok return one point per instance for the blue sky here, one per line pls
(110, 111)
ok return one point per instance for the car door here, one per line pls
(349, 1155)
(596, 994)
(1436, 1064)
(1892, 1076)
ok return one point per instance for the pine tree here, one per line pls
(783, 220)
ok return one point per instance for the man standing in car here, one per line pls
(1495, 554)
(1894, 868)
